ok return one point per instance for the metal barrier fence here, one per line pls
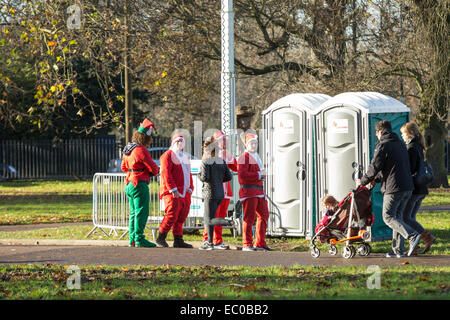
(110, 207)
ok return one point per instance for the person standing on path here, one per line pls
(139, 166)
(415, 144)
(390, 165)
(176, 187)
(222, 210)
(251, 194)
(213, 173)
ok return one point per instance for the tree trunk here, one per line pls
(435, 133)
(433, 115)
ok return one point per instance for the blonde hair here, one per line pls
(329, 201)
(412, 130)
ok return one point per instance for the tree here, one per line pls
(434, 107)
(73, 69)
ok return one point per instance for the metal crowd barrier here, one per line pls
(110, 207)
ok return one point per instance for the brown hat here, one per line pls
(244, 111)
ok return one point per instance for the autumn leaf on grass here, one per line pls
(249, 287)
(52, 43)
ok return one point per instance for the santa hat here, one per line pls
(219, 135)
(250, 137)
(176, 138)
(147, 127)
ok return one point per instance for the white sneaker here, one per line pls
(221, 246)
(250, 248)
(206, 246)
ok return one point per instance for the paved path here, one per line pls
(114, 252)
(108, 255)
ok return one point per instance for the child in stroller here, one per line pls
(337, 225)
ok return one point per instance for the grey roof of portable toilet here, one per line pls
(368, 102)
(308, 101)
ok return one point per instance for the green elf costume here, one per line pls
(139, 166)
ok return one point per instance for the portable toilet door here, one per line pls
(346, 140)
(287, 159)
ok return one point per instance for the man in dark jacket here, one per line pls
(390, 165)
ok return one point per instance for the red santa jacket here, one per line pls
(249, 175)
(172, 175)
(232, 165)
(141, 163)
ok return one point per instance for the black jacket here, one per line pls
(415, 153)
(213, 173)
(390, 165)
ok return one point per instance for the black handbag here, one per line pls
(424, 175)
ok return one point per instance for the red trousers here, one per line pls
(255, 208)
(177, 210)
(220, 213)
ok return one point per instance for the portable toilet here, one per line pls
(287, 158)
(346, 140)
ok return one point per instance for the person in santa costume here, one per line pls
(139, 166)
(176, 187)
(251, 194)
(220, 138)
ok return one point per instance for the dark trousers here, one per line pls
(393, 206)
(409, 215)
(210, 219)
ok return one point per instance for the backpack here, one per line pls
(424, 175)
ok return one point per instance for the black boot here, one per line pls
(179, 242)
(161, 241)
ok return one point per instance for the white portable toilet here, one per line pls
(288, 160)
(346, 140)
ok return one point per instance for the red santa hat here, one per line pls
(219, 135)
(176, 138)
(250, 137)
(147, 127)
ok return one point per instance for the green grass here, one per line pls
(214, 282)
(438, 223)
(437, 197)
(26, 202)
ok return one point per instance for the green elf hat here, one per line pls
(147, 127)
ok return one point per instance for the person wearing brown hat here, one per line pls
(139, 166)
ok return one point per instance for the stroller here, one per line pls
(343, 227)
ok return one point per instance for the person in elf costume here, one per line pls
(138, 164)
(222, 210)
(251, 194)
(176, 187)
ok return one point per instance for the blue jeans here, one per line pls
(393, 207)
(410, 212)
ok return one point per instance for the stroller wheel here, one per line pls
(315, 252)
(333, 250)
(364, 249)
(348, 252)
